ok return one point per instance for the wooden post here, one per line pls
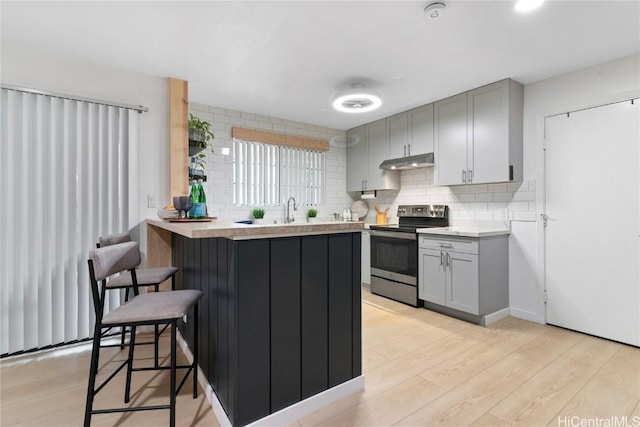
(178, 138)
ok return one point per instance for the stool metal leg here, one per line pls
(132, 345)
(195, 351)
(123, 330)
(172, 402)
(156, 337)
(93, 370)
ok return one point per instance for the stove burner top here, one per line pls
(412, 217)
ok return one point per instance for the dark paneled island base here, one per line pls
(280, 320)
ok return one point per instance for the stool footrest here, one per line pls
(131, 409)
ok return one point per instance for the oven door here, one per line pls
(394, 256)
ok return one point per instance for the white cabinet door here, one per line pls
(398, 131)
(488, 125)
(450, 139)
(421, 130)
(462, 282)
(431, 283)
(377, 153)
(357, 167)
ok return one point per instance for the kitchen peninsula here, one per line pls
(280, 320)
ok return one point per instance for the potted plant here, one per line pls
(311, 215)
(258, 216)
(200, 136)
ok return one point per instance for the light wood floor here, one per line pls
(421, 369)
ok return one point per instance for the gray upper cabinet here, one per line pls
(411, 132)
(398, 135)
(478, 135)
(421, 130)
(367, 148)
(357, 168)
(450, 116)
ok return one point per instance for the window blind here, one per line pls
(267, 175)
(65, 169)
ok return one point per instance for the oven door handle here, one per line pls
(393, 234)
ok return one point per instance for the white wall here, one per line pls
(26, 66)
(219, 168)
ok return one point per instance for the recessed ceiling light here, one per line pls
(528, 5)
(358, 99)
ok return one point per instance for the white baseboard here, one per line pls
(284, 416)
(494, 317)
(527, 315)
(303, 408)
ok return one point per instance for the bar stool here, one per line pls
(153, 276)
(158, 308)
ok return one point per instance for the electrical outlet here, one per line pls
(151, 201)
(505, 213)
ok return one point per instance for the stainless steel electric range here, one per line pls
(394, 251)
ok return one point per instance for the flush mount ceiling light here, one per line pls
(528, 5)
(434, 9)
(358, 99)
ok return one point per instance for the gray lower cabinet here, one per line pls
(469, 275)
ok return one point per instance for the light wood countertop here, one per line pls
(236, 231)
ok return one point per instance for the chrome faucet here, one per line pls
(290, 217)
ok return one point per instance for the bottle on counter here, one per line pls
(193, 193)
(202, 198)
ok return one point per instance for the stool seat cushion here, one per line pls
(145, 276)
(152, 307)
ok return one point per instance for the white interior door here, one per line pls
(592, 239)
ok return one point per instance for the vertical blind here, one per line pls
(65, 173)
(267, 175)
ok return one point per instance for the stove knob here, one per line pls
(431, 212)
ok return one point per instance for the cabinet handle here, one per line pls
(470, 175)
(464, 176)
(448, 260)
(441, 258)
(446, 245)
(409, 146)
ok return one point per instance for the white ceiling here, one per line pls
(287, 59)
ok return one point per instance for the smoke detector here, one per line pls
(358, 99)
(434, 9)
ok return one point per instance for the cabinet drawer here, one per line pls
(463, 245)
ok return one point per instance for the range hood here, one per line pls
(410, 162)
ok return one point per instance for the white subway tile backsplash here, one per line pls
(478, 188)
(502, 197)
(484, 215)
(524, 195)
(519, 206)
(484, 197)
(466, 197)
(496, 205)
(497, 188)
(516, 186)
(198, 107)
